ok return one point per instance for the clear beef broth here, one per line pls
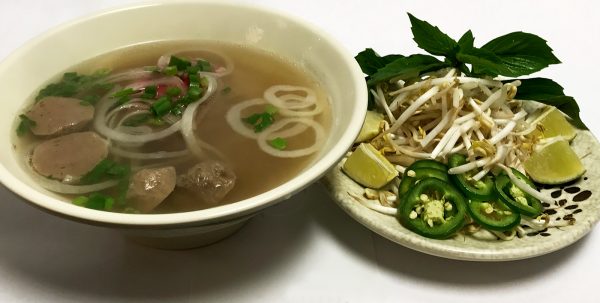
(255, 71)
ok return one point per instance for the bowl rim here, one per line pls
(236, 209)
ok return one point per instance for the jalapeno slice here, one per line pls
(517, 199)
(429, 163)
(477, 190)
(494, 215)
(409, 179)
(433, 209)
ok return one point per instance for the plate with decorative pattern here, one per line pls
(573, 213)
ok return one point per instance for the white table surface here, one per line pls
(306, 249)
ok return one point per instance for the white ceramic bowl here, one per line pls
(27, 69)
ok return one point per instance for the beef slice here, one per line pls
(55, 116)
(69, 157)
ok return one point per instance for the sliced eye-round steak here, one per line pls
(59, 115)
(69, 157)
(210, 180)
(149, 187)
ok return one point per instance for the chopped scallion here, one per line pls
(204, 66)
(278, 143)
(123, 93)
(271, 110)
(170, 71)
(173, 91)
(161, 107)
(180, 63)
(149, 92)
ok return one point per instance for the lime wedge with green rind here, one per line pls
(370, 127)
(555, 163)
(552, 123)
(369, 167)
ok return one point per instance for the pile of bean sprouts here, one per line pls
(446, 112)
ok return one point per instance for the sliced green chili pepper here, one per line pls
(411, 176)
(433, 209)
(517, 199)
(429, 163)
(494, 215)
(477, 190)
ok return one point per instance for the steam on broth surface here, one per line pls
(173, 126)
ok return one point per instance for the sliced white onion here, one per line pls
(148, 156)
(234, 117)
(235, 120)
(101, 127)
(163, 61)
(128, 75)
(134, 130)
(168, 81)
(102, 108)
(270, 95)
(113, 115)
(187, 121)
(294, 110)
(271, 133)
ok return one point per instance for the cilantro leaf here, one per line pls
(549, 92)
(430, 38)
(105, 169)
(25, 125)
(96, 201)
(407, 67)
(73, 84)
(370, 61)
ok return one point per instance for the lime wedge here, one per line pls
(370, 127)
(368, 167)
(553, 124)
(554, 164)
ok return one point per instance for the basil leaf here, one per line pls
(370, 61)
(521, 53)
(431, 38)
(549, 92)
(466, 40)
(407, 67)
(482, 61)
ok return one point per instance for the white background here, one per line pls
(306, 249)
